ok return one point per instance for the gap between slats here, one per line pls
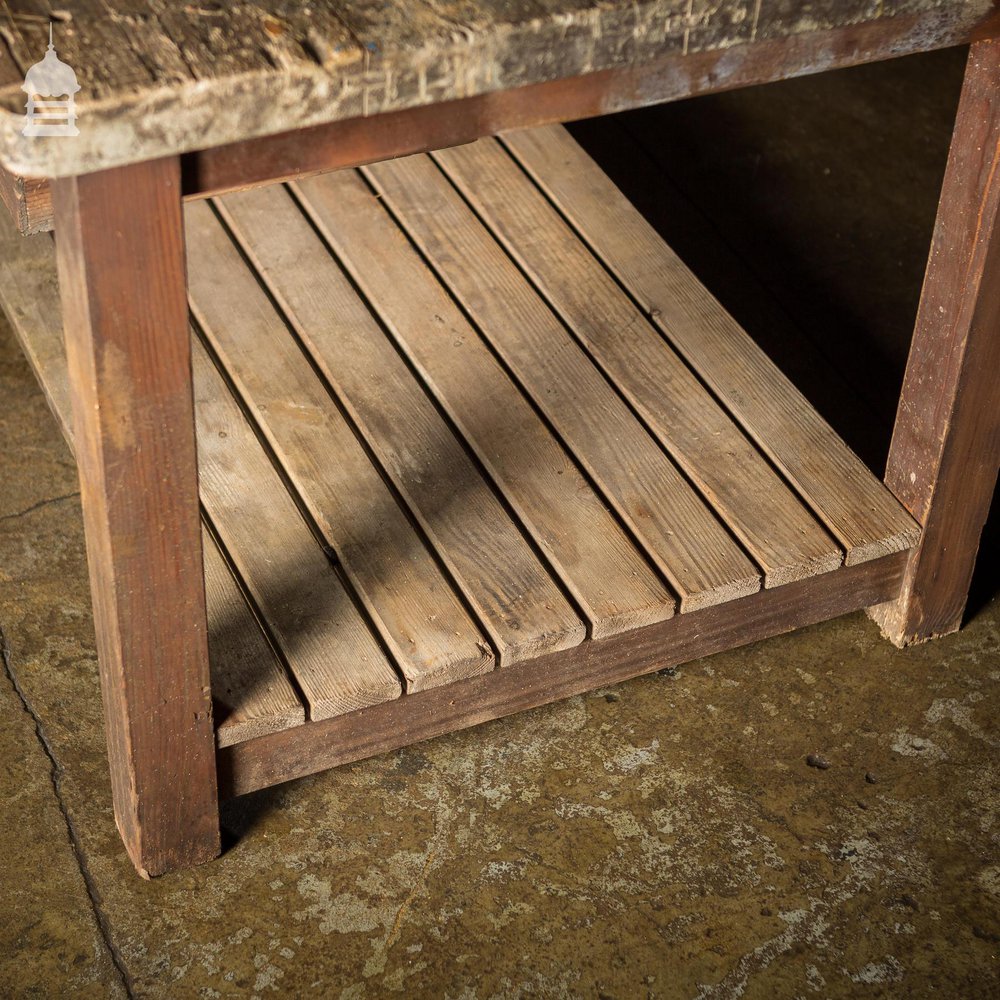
(492, 566)
(666, 517)
(596, 560)
(771, 410)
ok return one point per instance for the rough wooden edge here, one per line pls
(184, 118)
(320, 745)
(29, 201)
(946, 441)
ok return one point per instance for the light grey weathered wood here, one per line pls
(405, 594)
(758, 507)
(613, 584)
(516, 600)
(161, 78)
(677, 530)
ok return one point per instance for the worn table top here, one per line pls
(159, 77)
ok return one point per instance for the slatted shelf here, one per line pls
(465, 421)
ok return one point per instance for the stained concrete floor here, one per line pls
(663, 838)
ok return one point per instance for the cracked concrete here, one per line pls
(39, 505)
(55, 775)
(662, 838)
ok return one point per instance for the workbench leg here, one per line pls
(120, 251)
(946, 443)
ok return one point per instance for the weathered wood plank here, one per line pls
(120, 258)
(242, 665)
(172, 78)
(758, 507)
(946, 442)
(29, 201)
(516, 600)
(830, 477)
(419, 618)
(335, 658)
(251, 694)
(612, 583)
(677, 530)
(317, 746)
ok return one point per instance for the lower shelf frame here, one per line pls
(316, 746)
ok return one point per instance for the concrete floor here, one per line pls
(664, 838)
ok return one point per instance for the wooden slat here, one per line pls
(613, 584)
(702, 562)
(30, 295)
(739, 483)
(251, 695)
(516, 600)
(850, 501)
(314, 747)
(430, 635)
(327, 644)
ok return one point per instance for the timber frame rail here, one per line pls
(141, 425)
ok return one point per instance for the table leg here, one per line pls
(946, 443)
(120, 251)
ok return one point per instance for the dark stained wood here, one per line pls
(251, 692)
(946, 443)
(120, 257)
(317, 746)
(452, 70)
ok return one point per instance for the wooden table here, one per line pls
(381, 453)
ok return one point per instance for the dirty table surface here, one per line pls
(158, 78)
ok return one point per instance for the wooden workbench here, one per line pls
(382, 452)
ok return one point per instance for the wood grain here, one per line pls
(120, 257)
(515, 599)
(419, 618)
(242, 664)
(611, 582)
(174, 78)
(946, 442)
(773, 412)
(677, 530)
(335, 658)
(251, 694)
(29, 201)
(758, 507)
(317, 746)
